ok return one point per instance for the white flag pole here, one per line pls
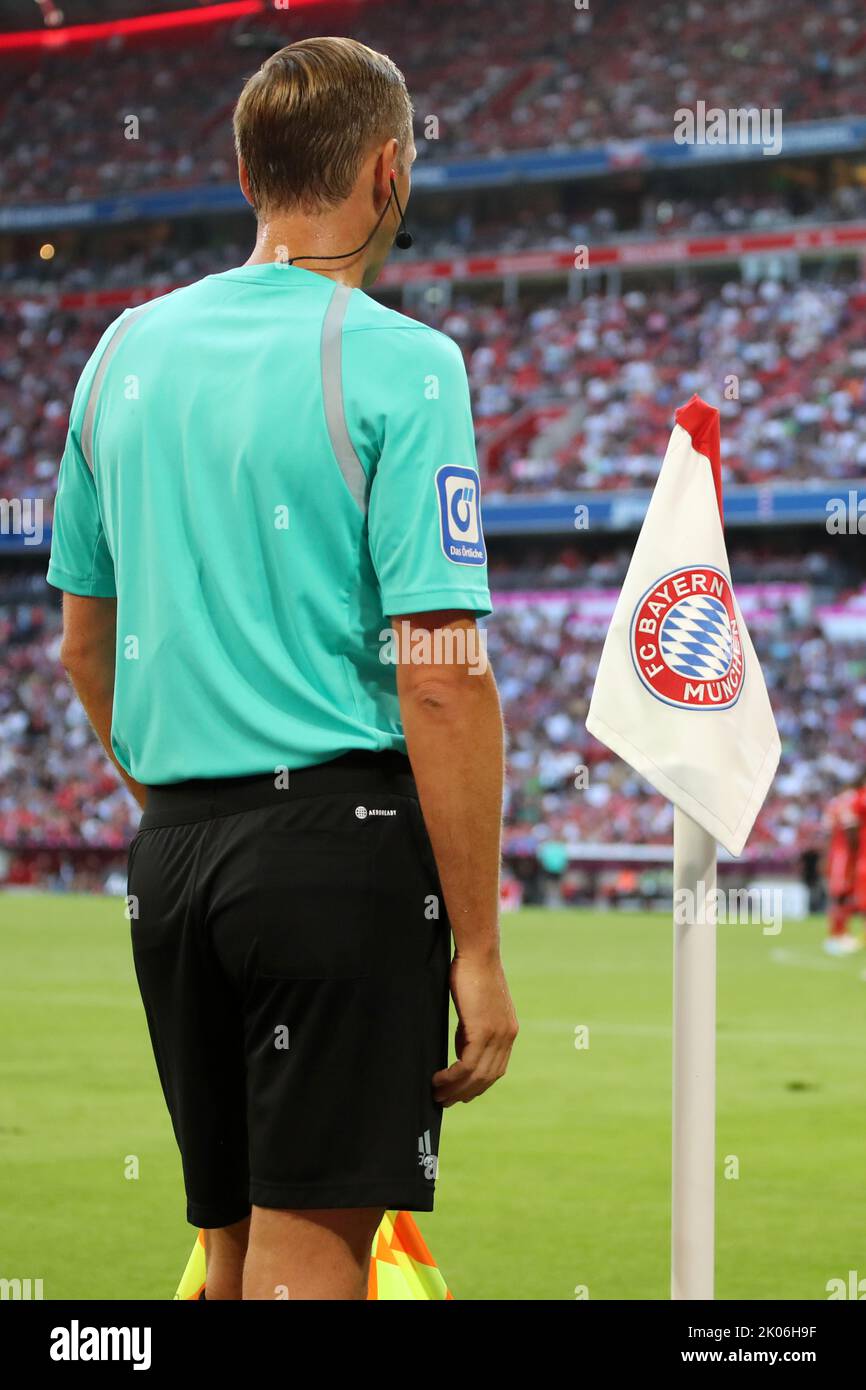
(694, 1062)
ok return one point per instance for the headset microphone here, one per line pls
(403, 240)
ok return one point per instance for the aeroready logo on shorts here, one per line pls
(685, 642)
(460, 515)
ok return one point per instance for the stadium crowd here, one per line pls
(619, 366)
(546, 665)
(496, 76)
(784, 363)
(58, 789)
(566, 395)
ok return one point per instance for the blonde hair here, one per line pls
(304, 122)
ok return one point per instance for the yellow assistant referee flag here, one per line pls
(401, 1267)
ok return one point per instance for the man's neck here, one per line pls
(307, 239)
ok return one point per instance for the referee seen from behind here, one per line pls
(269, 538)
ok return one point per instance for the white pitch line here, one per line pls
(782, 956)
(659, 1030)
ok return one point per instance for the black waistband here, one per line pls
(205, 798)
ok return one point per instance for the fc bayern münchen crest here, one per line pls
(685, 642)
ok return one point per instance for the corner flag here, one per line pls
(679, 696)
(401, 1267)
(679, 693)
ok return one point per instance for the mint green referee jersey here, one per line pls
(263, 467)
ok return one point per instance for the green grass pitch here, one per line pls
(558, 1178)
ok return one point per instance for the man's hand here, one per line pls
(486, 1029)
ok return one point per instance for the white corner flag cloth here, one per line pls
(679, 694)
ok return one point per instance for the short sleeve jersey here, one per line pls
(264, 468)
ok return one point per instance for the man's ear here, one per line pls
(386, 161)
(392, 152)
(244, 181)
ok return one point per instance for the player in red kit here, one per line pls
(859, 890)
(846, 867)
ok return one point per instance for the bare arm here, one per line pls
(454, 733)
(87, 653)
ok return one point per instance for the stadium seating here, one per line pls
(498, 76)
(566, 396)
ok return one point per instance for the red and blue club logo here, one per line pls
(685, 640)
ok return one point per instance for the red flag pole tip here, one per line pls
(701, 421)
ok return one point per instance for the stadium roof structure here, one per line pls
(63, 22)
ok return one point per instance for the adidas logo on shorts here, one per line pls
(427, 1160)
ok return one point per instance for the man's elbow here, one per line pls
(447, 693)
(78, 654)
(69, 656)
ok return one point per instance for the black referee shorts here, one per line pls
(292, 950)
